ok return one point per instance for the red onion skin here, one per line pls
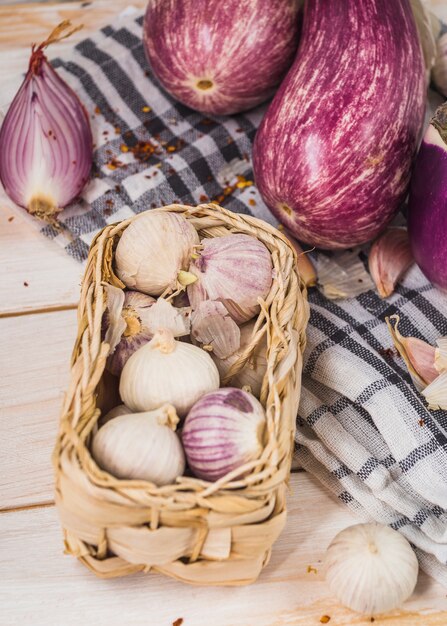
(45, 112)
(209, 435)
(427, 210)
(333, 155)
(244, 47)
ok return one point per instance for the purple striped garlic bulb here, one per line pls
(223, 431)
(235, 270)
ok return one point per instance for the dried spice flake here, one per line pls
(146, 109)
(10, 219)
(324, 619)
(203, 198)
(312, 570)
(25, 284)
(178, 622)
(252, 202)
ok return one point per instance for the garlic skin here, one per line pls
(252, 373)
(223, 431)
(439, 71)
(137, 321)
(154, 251)
(233, 269)
(141, 446)
(342, 275)
(371, 568)
(167, 371)
(212, 326)
(436, 392)
(441, 354)
(131, 326)
(418, 355)
(389, 259)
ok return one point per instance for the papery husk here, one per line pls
(342, 275)
(441, 354)
(436, 392)
(418, 355)
(212, 326)
(114, 321)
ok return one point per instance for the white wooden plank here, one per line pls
(40, 586)
(34, 362)
(36, 273)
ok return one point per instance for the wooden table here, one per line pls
(39, 290)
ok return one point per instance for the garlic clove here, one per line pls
(305, 267)
(213, 327)
(141, 446)
(418, 355)
(154, 251)
(441, 354)
(233, 269)
(436, 392)
(371, 568)
(342, 275)
(389, 258)
(167, 371)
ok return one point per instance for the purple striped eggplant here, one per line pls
(333, 155)
(221, 56)
(427, 216)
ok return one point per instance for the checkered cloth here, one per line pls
(362, 429)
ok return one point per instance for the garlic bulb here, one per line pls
(252, 373)
(121, 409)
(223, 431)
(389, 258)
(167, 371)
(154, 252)
(439, 71)
(418, 355)
(141, 446)
(371, 568)
(141, 316)
(213, 327)
(234, 269)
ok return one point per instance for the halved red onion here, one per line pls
(235, 270)
(45, 139)
(223, 431)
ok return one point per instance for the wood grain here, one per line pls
(34, 362)
(36, 273)
(41, 586)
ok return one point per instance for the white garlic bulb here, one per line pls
(142, 446)
(371, 568)
(121, 409)
(154, 251)
(167, 371)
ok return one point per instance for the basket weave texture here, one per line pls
(199, 532)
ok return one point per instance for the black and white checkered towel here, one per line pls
(363, 430)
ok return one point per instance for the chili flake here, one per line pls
(252, 202)
(124, 148)
(312, 570)
(146, 109)
(97, 110)
(203, 198)
(10, 219)
(324, 619)
(178, 622)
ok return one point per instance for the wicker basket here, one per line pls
(199, 532)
